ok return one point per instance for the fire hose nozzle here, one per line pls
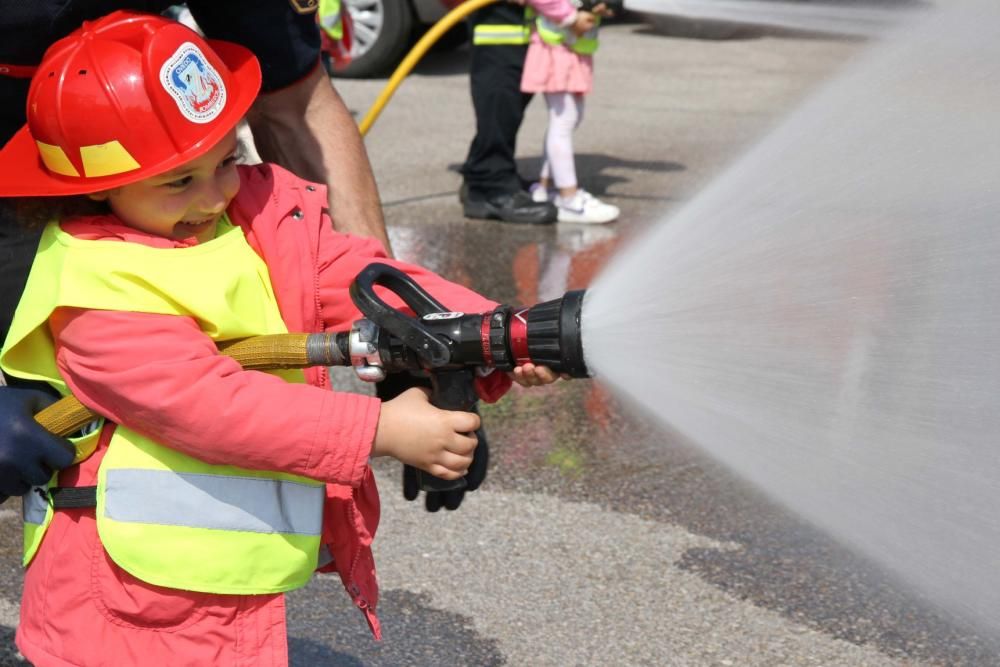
(437, 339)
(548, 334)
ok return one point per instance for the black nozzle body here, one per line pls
(553, 334)
(434, 339)
(546, 334)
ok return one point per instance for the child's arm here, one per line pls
(162, 376)
(343, 257)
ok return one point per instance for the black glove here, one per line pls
(29, 455)
(450, 500)
(391, 387)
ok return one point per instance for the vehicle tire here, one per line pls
(381, 35)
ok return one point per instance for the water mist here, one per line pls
(825, 317)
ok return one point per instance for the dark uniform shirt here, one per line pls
(282, 34)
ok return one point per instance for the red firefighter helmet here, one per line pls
(124, 98)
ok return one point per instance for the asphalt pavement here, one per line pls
(596, 539)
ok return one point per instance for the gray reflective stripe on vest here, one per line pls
(250, 504)
(34, 506)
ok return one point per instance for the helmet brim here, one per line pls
(23, 174)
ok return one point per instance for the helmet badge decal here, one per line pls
(194, 84)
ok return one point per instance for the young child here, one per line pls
(559, 64)
(217, 489)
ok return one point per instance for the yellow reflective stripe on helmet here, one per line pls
(106, 160)
(501, 34)
(55, 159)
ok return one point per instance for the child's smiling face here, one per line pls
(186, 201)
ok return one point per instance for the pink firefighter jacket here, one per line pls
(162, 376)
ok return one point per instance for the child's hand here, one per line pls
(530, 375)
(439, 442)
(584, 21)
(603, 11)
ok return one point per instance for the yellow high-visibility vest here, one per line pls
(584, 44)
(330, 19)
(167, 518)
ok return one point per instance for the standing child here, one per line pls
(560, 65)
(210, 490)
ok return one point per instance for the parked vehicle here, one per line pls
(383, 30)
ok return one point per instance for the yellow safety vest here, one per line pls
(165, 517)
(330, 18)
(585, 44)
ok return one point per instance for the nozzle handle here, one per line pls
(409, 330)
(451, 390)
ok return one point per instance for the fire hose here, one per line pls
(449, 346)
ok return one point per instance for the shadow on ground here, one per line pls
(415, 634)
(594, 170)
(9, 657)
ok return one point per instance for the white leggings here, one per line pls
(565, 114)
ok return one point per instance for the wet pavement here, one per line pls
(596, 539)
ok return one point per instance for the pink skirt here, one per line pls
(556, 69)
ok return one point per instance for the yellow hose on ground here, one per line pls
(68, 415)
(414, 56)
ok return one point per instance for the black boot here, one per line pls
(516, 207)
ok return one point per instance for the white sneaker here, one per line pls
(585, 208)
(539, 193)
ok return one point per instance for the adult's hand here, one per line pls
(29, 455)
(328, 149)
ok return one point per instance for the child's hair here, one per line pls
(36, 212)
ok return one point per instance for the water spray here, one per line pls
(823, 317)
